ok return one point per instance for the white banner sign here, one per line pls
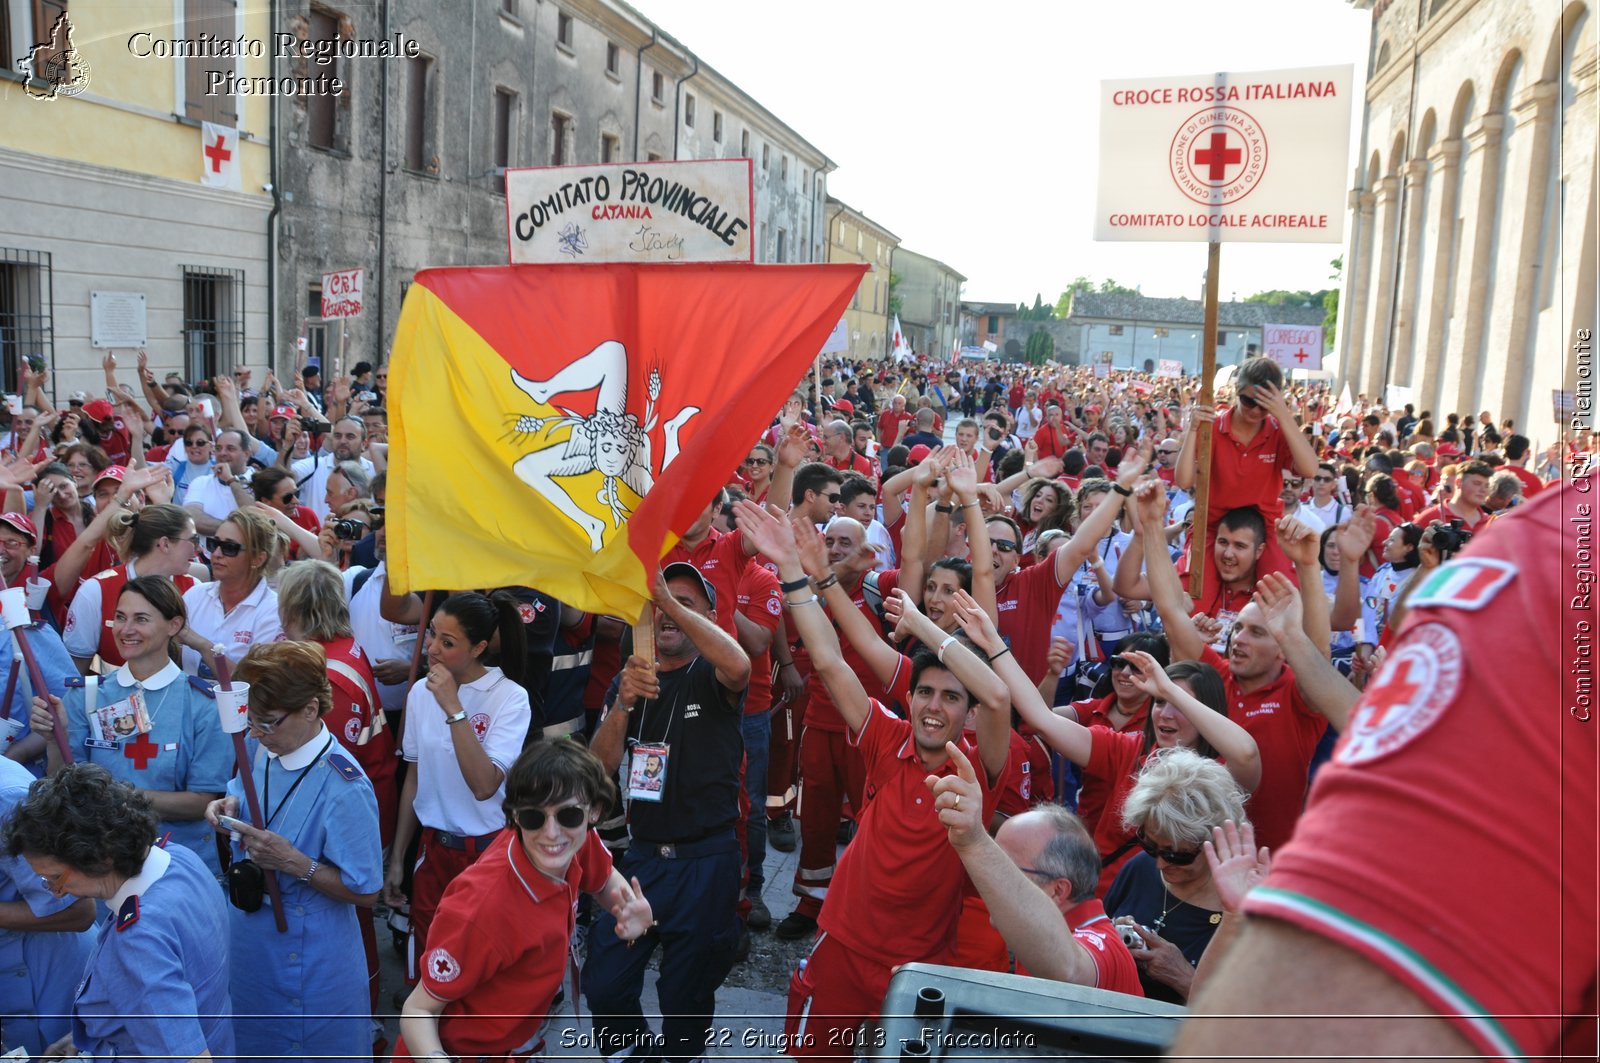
(1243, 157)
(1169, 367)
(691, 211)
(838, 340)
(1396, 396)
(1293, 346)
(341, 293)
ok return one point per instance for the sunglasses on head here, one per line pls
(569, 816)
(225, 547)
(1171, 856)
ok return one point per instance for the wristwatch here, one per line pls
(461, 714)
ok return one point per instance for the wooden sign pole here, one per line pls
(1202, 454)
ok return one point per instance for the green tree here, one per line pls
(895, 299)
(1081, 283)
(1330, 303)
(1041, 346)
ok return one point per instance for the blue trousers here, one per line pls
(757, 730)
(695, 902)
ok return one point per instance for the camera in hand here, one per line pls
(1449, 538)
(349, 530)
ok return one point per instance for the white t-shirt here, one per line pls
(378, 638)
(498, 712)
(878, 537)
(1331, 515)
(311, 475)
(252, 621)
(1309, 517)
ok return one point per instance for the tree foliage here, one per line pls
(1081, 283)
(1037, 312)
(1041, 347)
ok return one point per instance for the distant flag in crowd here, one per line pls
(899, 347)
(219, 156)
(1346, 404)
(562, 426)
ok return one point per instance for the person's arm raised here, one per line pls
(1023, 913)
(776, 538)
(793, 442)
(1099, 523)
(883, 659)
(1067, 737)
(1233, 743)
(1183, 471)
(963, 478)
(1354, 535)
(987, 688)
(1320, 683)
(1166, 590)
(1300, 450)
(719, 648)
(1300, 545)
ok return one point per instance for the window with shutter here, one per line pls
(214, 18)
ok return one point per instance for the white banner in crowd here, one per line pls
(1169, 367)
(1293, 346)
(1260, 157)
(690, 211)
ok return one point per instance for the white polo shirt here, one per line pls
(499, 714)
(251, 621)
(215, 498)
(378, 638)
(311, 474)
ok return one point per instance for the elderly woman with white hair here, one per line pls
(1166, 893)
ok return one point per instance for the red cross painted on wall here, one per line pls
(1218, 157)
(219, 154)
(141, 752)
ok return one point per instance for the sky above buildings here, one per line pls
(970, 129)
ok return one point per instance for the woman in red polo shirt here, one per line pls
(497, 950)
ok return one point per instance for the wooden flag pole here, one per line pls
(644, 635)
(1199, 522)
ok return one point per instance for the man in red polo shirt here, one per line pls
(1253, 442)
(1263, 696)
(1058, 930)
(890, 420)
(1465, 502)
(838, 450)
(1517, 449)
(898, 862)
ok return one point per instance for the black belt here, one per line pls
(722, 841)
(461, 841)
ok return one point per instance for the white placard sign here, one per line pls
(1293, 346)
(1259, 156)
(341, 293)
(689, 211)
(1169, 368)
(117, 319)
(839, 339)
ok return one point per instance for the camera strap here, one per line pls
(266, 784)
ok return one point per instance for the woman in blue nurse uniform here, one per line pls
(302, 994)
(44, 943)
(156, 984)
(174, 751)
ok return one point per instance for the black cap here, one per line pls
(684, 570)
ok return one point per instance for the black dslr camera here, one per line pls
(1449, 538)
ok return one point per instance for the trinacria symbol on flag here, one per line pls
(611, 441)
(1218, 155)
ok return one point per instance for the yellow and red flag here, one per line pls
(561, 426)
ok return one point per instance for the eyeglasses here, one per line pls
(1119, 664)
(1248, 402)
(833, 499)
(197, 442)
(757, 461)
(265, 727)
(1042, 874)
(225, 547)
(54, 883)
(1172, 856)
(292, 496)
(569, 816)
(1007, 545)
(1322, 479)
(192, 540)
(1166, 453)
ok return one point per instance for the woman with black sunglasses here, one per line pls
(237, 609)
(1165, 896)
(297, 994)
(497, 948)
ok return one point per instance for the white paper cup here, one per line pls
(231, 706)
(38, 590)
(14, 607)
(9, 729)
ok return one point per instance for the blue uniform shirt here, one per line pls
(185, 749)
(56, 665)
(308, 984)
(38, 971)
(156, 988)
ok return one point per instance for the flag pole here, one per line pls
(1202, 461)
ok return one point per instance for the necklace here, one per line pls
(1170, 906)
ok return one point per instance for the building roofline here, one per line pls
(833, 200)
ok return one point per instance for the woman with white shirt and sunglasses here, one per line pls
(237, 609)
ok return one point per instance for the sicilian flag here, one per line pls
(562, 426)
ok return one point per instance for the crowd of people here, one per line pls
(963, 624)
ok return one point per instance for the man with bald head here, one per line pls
(890, 421)
(924, 433)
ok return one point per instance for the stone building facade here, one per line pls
(405, 171)
(1470, 265)
(854, 237)
(930, 308)
(1138, 331)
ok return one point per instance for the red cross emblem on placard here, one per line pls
(218, 154)
(141, 752)
(1301, 355)
(1218, 157)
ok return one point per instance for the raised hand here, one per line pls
(1150, 504)
(793, 445)
(958, 800)
(768, 532)
(1208, 628)
(975, 621)
(1355, 535)
(1279, 599)
(632, 912)
(1237, 866)
(1147, 673)
(1299, 543)
(813, 551)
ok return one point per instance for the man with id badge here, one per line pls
(672, 734)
